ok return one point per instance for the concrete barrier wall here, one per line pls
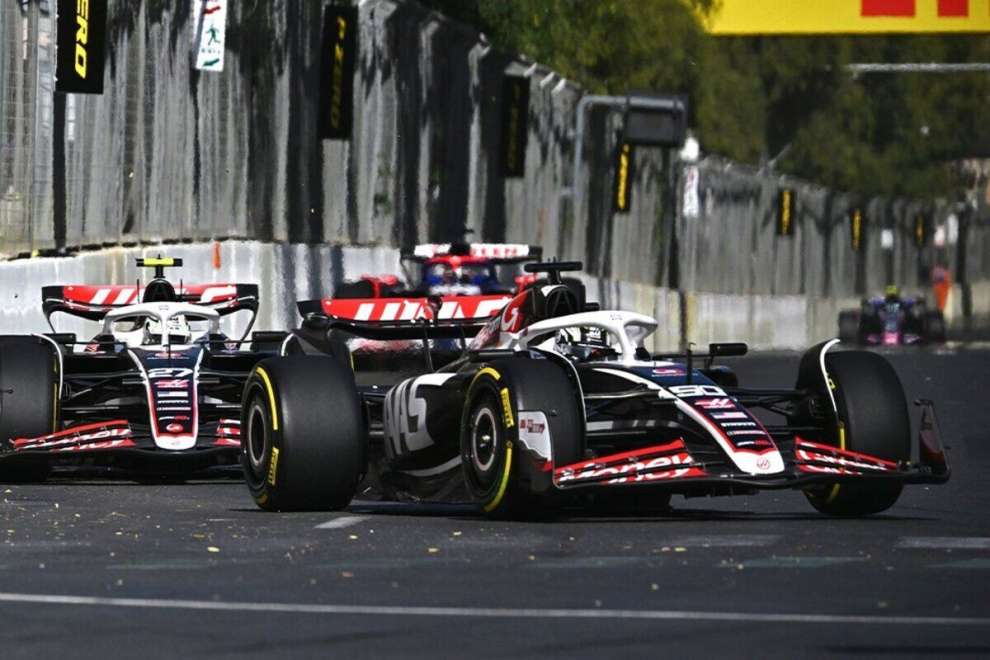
(290, 272)
(285, 272)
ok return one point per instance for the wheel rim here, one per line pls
(484, 440)
(257, 436)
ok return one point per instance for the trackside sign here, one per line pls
(209, 29)
(82, 35)
(737, 17)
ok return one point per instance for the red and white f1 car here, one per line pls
(552, 398)
(157, 391)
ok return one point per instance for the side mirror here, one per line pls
(728, 349)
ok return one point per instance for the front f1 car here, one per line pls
(552, 400)
(156, 391)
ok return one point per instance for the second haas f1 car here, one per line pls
(892, 321)
(553, 400)
(155, 394)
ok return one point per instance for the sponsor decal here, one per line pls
(729, 415)
(534, 433)
(82, 26)
(753, 432)
(763, 463)
(668, 371)
(413, 309)
(178, 383)
(715, 404)
(175, 428)
(692, 391)
(273, 467)
(76, 436)
(736, 424)
(662, 467)
(506, 408)
(97, 446)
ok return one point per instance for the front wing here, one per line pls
(806, 463)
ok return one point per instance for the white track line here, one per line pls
(490, 612)
(944, 542)
(341, 522)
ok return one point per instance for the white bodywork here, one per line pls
(627, 331)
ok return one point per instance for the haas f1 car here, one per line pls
(448, 269)
(553, 400)
(892, 321)
(157, 392)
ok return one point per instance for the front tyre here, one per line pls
(29, 388)
(303, 443)
(872, 419)
(521, 417)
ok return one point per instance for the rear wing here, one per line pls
(498, 253)
(94, 301)
(397, 318)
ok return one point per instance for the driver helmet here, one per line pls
(892, 293)
(591, 347)
(177, 328)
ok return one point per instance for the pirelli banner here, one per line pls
(515, 126)
(757, 17)
(856, 227)
(340, 46)
(785, 212)
(80, 46)
(622, 188)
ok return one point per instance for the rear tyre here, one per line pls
(303, 443)
(872, 419)
(933, 327)
(505, 468)
(848, 327)
(29, 383)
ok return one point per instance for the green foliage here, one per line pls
(754, 99)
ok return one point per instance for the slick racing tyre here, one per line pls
(504, 464)
(29, 384)
(303, 443)
(872, 419)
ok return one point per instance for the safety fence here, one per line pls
(172, 153)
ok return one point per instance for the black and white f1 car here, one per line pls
(552, 400)
(157, 391)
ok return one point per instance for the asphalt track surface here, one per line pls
(112, 569)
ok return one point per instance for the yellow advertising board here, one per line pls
(753, 17)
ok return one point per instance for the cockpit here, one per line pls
(161, 324)
(593, 336)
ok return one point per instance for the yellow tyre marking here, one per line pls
(271, 396)
(842, 445)
(487, 370)
(506, 409)
(504, 482)
(55, 408)
(273, 467)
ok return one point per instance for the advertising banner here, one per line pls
(741, 17)
(81, 46)
(340, 45)
(515, 125)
